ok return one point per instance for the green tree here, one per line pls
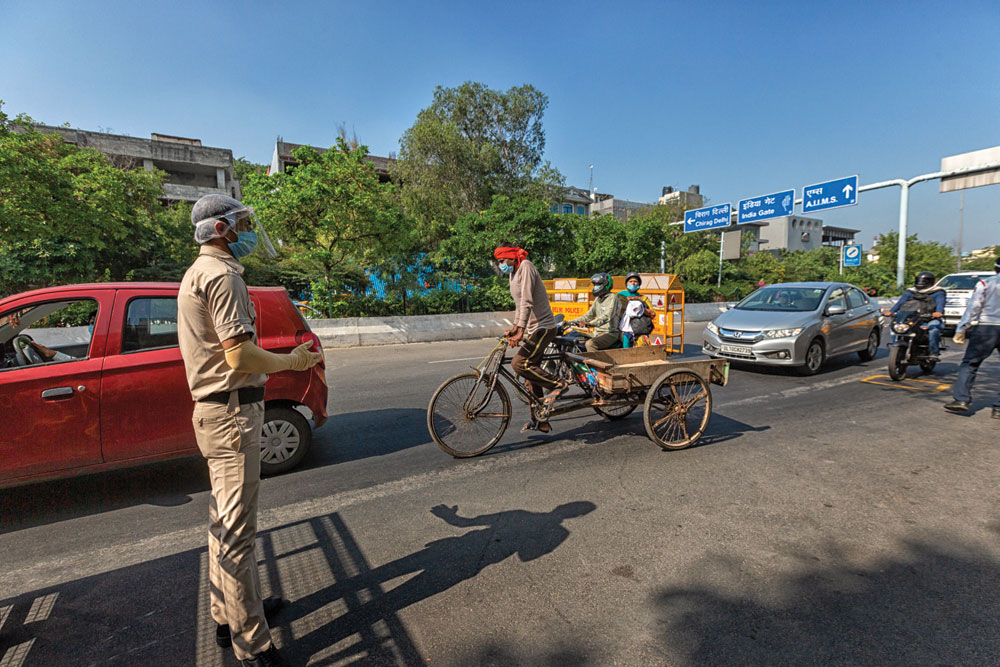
(331, 211)
(67, 214)
(244, 169)
(520, 220)
(920, 256)
(470, 144)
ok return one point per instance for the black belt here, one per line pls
(247, 395)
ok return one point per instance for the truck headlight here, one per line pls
(782, 333)
(713, 328)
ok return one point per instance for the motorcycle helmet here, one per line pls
(924, 280)
(996, 265)
(602, 283)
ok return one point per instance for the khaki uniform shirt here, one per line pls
(214, 305)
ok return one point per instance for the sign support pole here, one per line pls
(842, 249)
(722, 242)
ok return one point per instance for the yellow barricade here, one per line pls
(571, 297)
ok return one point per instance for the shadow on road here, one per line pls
(359, 435)
(597, 430)
(165, 484)
(342, 610)
(933, 603)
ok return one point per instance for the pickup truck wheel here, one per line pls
(284, 440)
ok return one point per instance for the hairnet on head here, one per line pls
(219, 208)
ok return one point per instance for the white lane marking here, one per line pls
(16, 655)
(4, 613)
(445, 361)
(41, 608)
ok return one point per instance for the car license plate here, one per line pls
(953, 311)
(736, 349)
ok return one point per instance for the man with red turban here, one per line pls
(532, 315)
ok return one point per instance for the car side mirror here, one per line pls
(835, 310)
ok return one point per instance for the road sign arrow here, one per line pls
(847, 191)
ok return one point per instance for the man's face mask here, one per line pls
(633, 287)
(506, 268)
(244, 244)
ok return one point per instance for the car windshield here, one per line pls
(784, 299)
(961, 282)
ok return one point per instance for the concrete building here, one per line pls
(690, 199)
(574, 200)
(622, 209)
(797, 232)
(192, 170)
(283, 160)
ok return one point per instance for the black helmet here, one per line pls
(633, 275)
(602, 283)
(996, 265)
(924, 279)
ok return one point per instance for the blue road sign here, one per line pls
(832, 194)
(710, 217)
(852, 255)
(766, 206)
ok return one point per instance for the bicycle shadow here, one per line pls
(439, 566)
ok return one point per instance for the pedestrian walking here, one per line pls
(982, 320)
(226, 372)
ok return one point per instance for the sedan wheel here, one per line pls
(868, 353)
(284, 440)
(814, 358)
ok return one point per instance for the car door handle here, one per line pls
(57, 393)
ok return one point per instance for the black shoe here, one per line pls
(957, 406)
(996, 413)
(271, 608)
(269, 658)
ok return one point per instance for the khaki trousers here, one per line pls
(229, 439)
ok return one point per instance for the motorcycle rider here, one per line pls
(927, 299)
(604, 315)
(984, 337)
(631, 295)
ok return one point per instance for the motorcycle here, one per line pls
(909, 344)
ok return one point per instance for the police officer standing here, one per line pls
(226, 371)
(983, 316)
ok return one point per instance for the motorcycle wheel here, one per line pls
(897, 363)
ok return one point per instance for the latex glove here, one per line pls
(959, 337)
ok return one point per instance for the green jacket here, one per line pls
(605, 314)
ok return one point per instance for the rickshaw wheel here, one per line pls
(456, 427)
(678, 407)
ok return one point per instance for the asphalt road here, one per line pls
(840, 519)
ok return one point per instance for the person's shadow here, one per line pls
(441, 564)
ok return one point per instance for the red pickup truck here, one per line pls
(91, 378)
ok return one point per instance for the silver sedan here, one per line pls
(796, 324)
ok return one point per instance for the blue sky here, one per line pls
(742, 98)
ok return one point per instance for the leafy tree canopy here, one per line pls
(471, 144)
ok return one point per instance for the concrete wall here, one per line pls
(355, 331)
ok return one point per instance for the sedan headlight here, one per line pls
(782, 333)
(713, 327)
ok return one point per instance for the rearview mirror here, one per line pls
(835, 310)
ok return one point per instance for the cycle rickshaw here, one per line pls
(469, 413)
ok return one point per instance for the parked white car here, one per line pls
(959, 287)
